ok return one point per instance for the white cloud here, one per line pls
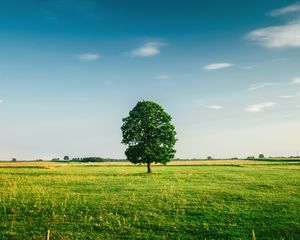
(278, 36)
(217, 66)
(149, 49)
(248, 67)
(257, 86)
(296, 81)
(163, 77)
(259, 107)
(287, 96)
(204, 104)
(86, 57)
(282, 36)
(282, 59)
(215, 107)
(293, 8)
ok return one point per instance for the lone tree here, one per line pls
(149, 134)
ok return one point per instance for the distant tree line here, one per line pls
(86, 159)
(92, 159)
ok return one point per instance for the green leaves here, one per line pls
(149, 134)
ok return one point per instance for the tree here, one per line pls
(149, 134)
(261, 156)
(66, 158)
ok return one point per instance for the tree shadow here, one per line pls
(142, 174)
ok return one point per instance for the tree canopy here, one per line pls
(149, 134)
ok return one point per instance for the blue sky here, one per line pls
(227, 71)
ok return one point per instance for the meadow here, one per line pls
(233, 199)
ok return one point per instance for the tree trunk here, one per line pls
(149, 167)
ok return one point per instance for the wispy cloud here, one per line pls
(248, 67)
(215, 107)
(217, 66)
(282, 59)
(293, 8)
(149, 49)
(296, 81)
(204, 104)
(259, 107)
(278, 37)
(257, 86)
(287, 96)
(1, 101)
(287, 35)
(86, 57)
(163, 77)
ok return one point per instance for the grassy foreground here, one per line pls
(177, 202)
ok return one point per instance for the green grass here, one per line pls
(177, 202)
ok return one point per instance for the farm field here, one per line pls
(231, 199)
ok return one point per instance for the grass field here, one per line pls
(200, 200)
